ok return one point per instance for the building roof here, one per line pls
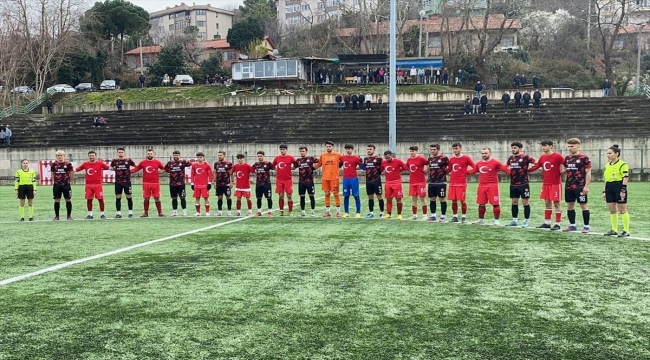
(217, 44)
(438, 24)
(633, 29)
(184, 7)
(145, 50)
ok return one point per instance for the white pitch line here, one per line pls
(114, 252)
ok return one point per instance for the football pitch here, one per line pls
(314, 288)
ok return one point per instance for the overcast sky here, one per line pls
(155, 5)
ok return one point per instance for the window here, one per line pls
(203, 35)
(201, 23)
(171, 27)
(292, 9)
(305, 7)
(216, 37)
(507, 42)
(332, 3)
(320, 18)
(228, 55)
(200, 12)
(333, 14)
(321, 6)
(217, 26)
(356, 3)
(434, 42)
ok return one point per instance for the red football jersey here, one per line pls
(243, 173)
(488, 171)
(282, 166)
(393, 170)
(94, 171)
(350, 164)
(416, 168)
(201, 174)
(550, 165)
(458, 169)
(150, 170)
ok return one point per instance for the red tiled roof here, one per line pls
(633, 29)
(435, 24)
(217, 44)
(145, 50)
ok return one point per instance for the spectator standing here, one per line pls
(484, 103)
(478, 88)
(445, 76)
(165, 80)
(49, 106)
(346, 100)
(362, 101)
(427, 76)
(354, 99)
(414, 75)
(475, 104)
(523, 80)
(400, 74)
(339, 100)
(118, 82)
(119, 104)
(505, 99)
(142, 79)
(382, 72)
(606, 86)
(2, 136)
(459, 77)
(535, 82)
(537, 97)
(468, 106)
(516, 82)
(526, 98)
(420, 76)
(494, 80)
(8, 134)
(517, 99)
(437, 76)
(368, 101)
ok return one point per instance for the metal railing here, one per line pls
(17, 109)
(646, 91)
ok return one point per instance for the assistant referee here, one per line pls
(615, 193)
(25, 189)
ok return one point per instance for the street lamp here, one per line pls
(422, 14)
(638, 55)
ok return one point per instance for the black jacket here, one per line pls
(354, 98)
(517, 96)
(362, 98)
(484, 100)
(476, 101)
(537, 95)
(535, 82)
(338, 98)
(505, 98)
(478, 87)
(526, 97)
(346, 98)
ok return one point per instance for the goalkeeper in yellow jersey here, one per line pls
(25, 189)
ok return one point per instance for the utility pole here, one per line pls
(638, 56)
(392, 85)
(589, 26)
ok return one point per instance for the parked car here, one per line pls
(85, 87)
(62, 88)
(184, 80)
(22, 90)
(107, 85)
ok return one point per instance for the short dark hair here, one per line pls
(118, 149)
(283, 146)
(303, 148)
(437, 146)
(546, 142)
(413, 148)
(348, 146)
(176, 152)
(329, 143)
(241, 156)
(200, 154)
(92, 152)
(260, 152)
(372, 146)
(222, 152)
(149, 149)
(456, 144)
(517, 144)
(616, 149)
(388, 152)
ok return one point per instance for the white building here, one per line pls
(295, 12)
(213, 23)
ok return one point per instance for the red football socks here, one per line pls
(497, 212)
(547, 214)
(249, 203)
(159, 207)
(558, 216)
(207, 208)
(424, 210)
(454, 208)
(281, 204)
(481, 211)
(238, 204)
(414, 209)
(101, 204)
(290, 202)
(89, 204)
(464, 208)
(399, 208)
(146, 206)
(389, 205)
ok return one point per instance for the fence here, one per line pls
(17, 109)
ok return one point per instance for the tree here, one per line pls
(42, 33)
(213, 65)
(256, 50)
(191, 43)
(261, 10)
(114, 18)
(243, 32)
(610, 15)
(170, 61)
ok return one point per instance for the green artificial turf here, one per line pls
(313, 288)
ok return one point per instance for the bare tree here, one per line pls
(610, 17)
(13, 68)
(45, 28)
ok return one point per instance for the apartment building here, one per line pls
(296, 12)
(213, 23)
(637, 11)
